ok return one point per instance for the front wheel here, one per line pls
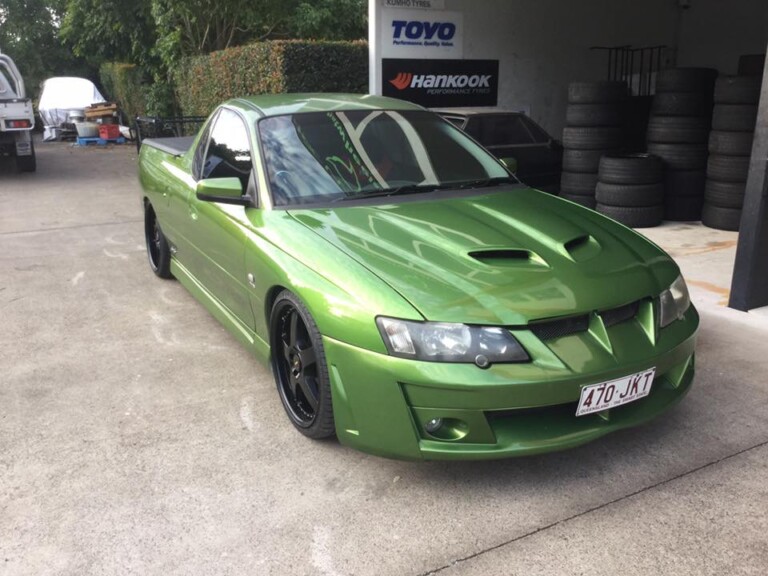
(158, 251)
(301, 372)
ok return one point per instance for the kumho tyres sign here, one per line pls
(436, 83)
(422, 34)
(420, 4)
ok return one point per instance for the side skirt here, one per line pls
(240, 331)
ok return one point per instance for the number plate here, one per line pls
(607, 395)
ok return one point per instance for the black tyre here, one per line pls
(684, 184)
(700, 80)
(27, 163)
(730, 143)
(299, 366)
(738, 90)
(631, 195)
(158, 251)
(683, 208)
(680, 156)
(591, 138)
(582, 160)
(576, 183)
(725, 194)
(681, 104)
(586, 201)
(630, 169)
(635, 217)
(596, 92)
(678, 129)
(734, 117)
(721, 218)
(728, 168)
(593, 115)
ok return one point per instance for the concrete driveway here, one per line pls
(137, 437)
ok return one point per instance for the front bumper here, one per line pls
(381, 403)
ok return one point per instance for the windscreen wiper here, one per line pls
(485, 182)
(394, 191)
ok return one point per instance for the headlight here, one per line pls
(443, 342)
(673, 302)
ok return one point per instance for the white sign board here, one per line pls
(422, 4)
(421, 34)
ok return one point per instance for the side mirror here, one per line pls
(510, 163)
(224, 190)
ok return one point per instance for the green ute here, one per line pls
(412, 297)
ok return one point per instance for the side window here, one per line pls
(202, 145)
(229, 150)
(499, 130)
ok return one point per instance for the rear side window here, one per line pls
(457, 121)
(229, 149)
(502, 130)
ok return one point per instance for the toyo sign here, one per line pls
(421, 34)
(423, 30)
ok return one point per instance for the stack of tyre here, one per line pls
(630, 189)
(593, 128)
(678, 129)
(730, 147)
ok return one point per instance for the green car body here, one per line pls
(579, 293)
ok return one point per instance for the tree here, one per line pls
(190, 27)
(110, 30)
(29, 35)
(329, 19)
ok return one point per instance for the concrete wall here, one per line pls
(714, 33)
(542, 45)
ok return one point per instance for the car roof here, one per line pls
(278, 104)
(473, 111)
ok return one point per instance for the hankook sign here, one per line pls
(435, 83)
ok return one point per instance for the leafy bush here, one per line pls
(123, 83)
(272, 67)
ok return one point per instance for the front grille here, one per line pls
(551, 329)
(620, 314)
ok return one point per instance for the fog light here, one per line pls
(433, 425)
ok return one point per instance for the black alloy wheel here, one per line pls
(158, 251)
(301, 373)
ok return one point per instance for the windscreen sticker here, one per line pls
(342, 161)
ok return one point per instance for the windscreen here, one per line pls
(327, 156)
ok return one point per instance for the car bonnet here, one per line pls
(505, 257)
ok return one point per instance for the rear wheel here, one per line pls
(158, 251)
(300, 369)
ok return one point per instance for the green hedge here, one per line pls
(272, 67)
(123, 83)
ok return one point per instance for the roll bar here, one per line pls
(15, 75)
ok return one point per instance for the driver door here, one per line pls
(218, 231)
